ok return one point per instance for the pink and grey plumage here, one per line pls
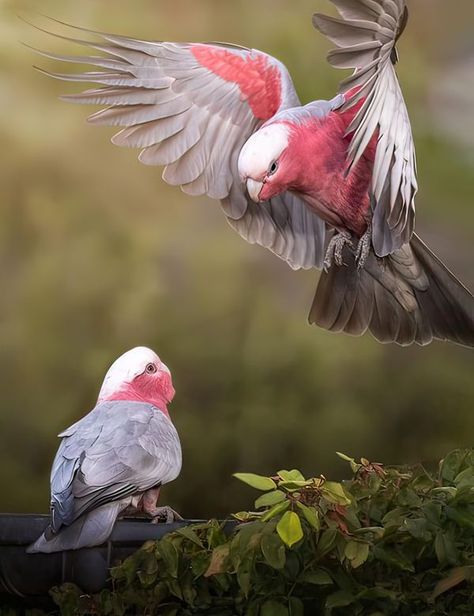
(116, 457)
(330, 184)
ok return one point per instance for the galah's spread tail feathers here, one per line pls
(409, 296)
(366, 37)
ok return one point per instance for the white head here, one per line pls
(138, 373)
(260, 157)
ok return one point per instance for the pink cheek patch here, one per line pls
(167, 387)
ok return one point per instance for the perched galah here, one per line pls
(116, 457)
(330, 184)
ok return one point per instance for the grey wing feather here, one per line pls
(366, 37)
(186, 117)
(285, 225)
(119, 449)
(194, 123)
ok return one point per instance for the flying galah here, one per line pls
(116, 457)
(330, 184)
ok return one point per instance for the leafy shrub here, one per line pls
(389, 541)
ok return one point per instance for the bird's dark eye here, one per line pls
(273, 167)
(150, 368)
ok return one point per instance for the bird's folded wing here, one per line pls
(190, 108)
(366, 37)
(120, 449)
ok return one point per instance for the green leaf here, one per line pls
(168, 552)
(274, 511)
(242, 516)
(296, 606)
(377, 532)
(393, 558)
(449, 490)
(344, 457)
(188, 587)
(273, 551)
(293, 475)
(445, 549)
(357, 553)
(148, 571)
(465, 479)
(190, 534)
(199, 563)
(340, 598)
(334, 493)
(218, 559)
(289, 528)
(256, 481)
(354, 465)
(451, 466)
(270, 498)
(455, 577)
(293, 565)
(326, 540)
(273, 608)
(310, 514)
(394, 518)
(319, 577)
(463, 516)
(244, 574)
(418, 528)
(377, 592)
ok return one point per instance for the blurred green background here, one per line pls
(97, 255)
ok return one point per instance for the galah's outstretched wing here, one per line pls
(118, 449)
(366, 37)
(190, 108)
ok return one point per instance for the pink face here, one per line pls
(154, 382)
(263, 161)
(275, 180)
(139, 375)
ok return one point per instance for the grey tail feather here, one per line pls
(88, 530)
(407, 297)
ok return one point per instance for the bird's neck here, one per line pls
(131, 394)
(320, 150)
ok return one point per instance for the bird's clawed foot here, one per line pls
(166, 514)
(363, 247)
(335, 248)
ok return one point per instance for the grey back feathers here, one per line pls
(118, 450)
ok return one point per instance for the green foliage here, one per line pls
(98, 254)
(389, 541)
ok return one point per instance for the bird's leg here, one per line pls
(363, 247)
(166, 512)
(335, 248)
(149, 504)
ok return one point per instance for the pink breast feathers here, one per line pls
(259, 81)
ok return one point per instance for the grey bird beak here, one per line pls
(254, 188)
